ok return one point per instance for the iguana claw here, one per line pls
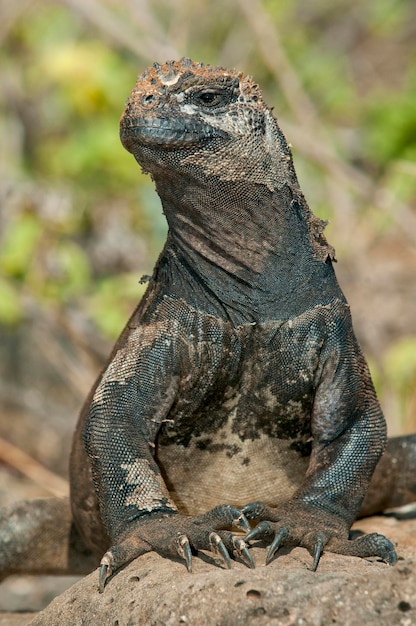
(241, 551)
(242, 522)
(184, 550)
(262, 530)
(319, 547)
(218, 546)
(105, 572)
(276, 543)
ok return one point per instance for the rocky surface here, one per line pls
(157, 592)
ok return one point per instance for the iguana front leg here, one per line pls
(131, 402)
(349, 436)
(173, 534)
(302, 524)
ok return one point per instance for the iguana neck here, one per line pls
(243, 251)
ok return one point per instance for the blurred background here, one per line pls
(80, 224)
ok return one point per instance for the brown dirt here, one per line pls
(157, 592)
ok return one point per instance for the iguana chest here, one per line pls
(240, 427)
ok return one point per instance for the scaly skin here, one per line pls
(238, 378)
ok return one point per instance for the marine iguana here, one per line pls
(238, 379)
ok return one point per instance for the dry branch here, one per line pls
(28, 466)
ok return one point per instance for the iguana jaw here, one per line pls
(173, 133)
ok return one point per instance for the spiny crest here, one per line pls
(179, 75)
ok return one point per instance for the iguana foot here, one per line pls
(173, 534)
(300, 524)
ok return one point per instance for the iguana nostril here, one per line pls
(148, 99)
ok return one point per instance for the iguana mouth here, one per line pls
(168, 134)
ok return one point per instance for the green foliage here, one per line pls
(74, 88)
(392, 124)
(19, 245)
(107, 305)
(10, 307)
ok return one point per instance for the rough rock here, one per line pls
(345, 590)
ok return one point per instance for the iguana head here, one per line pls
(188, 115)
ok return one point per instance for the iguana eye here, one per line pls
(211, 98)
